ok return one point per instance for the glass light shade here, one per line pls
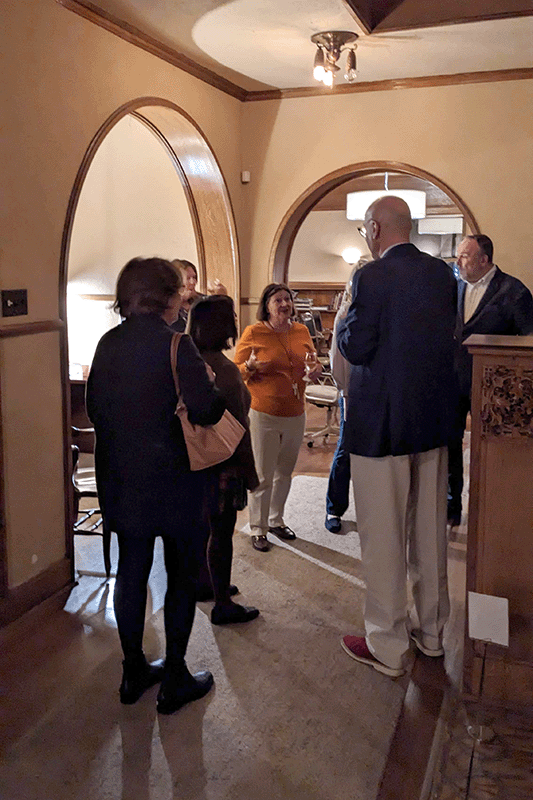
(327, 80)
(318, 69)
(351, 67)
(351, 255)
(358, 202)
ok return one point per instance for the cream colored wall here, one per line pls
(476, 138)
(62, 77)
(132, 203)
(317, 251)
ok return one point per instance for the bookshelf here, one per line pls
(325, 297)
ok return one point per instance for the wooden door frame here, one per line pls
(211, 212)
(290, 224)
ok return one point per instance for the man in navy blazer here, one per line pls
(489, 302)
(399, 335)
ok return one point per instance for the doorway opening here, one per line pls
(173, 204)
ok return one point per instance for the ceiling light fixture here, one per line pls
(330, 44)
(358, 202)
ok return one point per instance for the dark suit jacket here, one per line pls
(142, 468)
(505, 309)
(400, 330)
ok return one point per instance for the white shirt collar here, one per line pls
(485, 280)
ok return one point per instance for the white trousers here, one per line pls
(401, 506)
(275, 442)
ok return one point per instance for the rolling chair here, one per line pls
(88, 522)
(323, 396)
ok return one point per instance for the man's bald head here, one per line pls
(387, 222)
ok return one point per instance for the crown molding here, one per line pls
(494, 76)
(91, 12)
(134, 36)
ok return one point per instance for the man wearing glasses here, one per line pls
(399, 334)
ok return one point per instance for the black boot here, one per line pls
(179, 687)
(137, 677)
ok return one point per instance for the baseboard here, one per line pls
(42, 587)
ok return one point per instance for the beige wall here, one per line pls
(478, 139)
(132, 203)
(62, 78)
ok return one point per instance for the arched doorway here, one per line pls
(293, 219)
(210, 211)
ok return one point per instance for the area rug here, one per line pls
(291, 717)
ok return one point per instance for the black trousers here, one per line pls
(182, 559)
(215, 568)
(455, 460)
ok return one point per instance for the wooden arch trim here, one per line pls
(293, 219)
(201, 177)
(211, 212)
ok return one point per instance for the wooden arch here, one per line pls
(200, 174)
(291, 222)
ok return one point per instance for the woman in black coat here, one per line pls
(213, 329)
(145, 485)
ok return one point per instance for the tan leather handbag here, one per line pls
(206, 446)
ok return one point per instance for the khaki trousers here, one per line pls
(275, 442)
(401, 519)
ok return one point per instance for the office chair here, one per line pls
(323, 396)
(88, 522)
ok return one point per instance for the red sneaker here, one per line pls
(357, 648)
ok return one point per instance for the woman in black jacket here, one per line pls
(213, 329)
(145, 485)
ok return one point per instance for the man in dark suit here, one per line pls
(489, 302)
(399, 334)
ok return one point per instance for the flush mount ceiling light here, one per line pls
(358, 202)
(330, 44)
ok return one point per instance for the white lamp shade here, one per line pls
(358, 202)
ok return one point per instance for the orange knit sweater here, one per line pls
(280, 389)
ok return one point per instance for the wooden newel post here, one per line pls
(500, 514)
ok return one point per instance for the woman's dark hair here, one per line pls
(268, 291)
(145, 286)
(211, 323)
(184, 264)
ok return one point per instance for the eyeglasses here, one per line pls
(362, 231)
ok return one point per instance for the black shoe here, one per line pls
(224, 615)
(282, 532)
(260, 542)
(333, 524)
(137, 677)
(454, 520)
(205, 594)
(178, 690)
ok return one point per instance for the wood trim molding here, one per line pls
(459, 78)
(31, 328)
(24, 597)
(249, 301)
(317, 285)
(294, 217)
(134, 36)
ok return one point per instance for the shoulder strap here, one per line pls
(174, 344)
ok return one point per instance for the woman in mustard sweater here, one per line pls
(271, 358)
